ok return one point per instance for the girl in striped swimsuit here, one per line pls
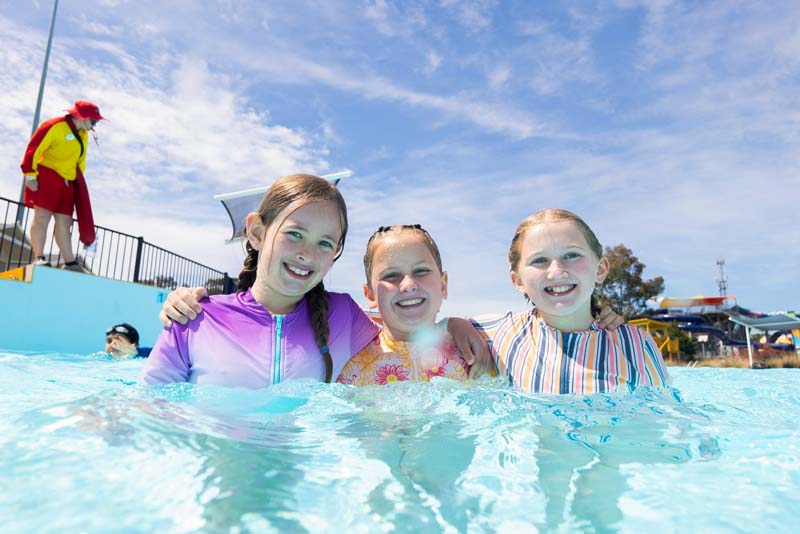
(556, 261)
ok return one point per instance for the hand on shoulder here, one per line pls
(608, 319)
(182, 305)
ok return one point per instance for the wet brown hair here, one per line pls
(294, 192)
(552, 215)
(386, 231)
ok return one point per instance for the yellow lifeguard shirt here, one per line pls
(56, 147)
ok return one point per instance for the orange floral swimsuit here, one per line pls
(385, 360)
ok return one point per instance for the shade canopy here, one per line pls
(239, 203)
(779, 321)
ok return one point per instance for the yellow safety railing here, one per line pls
(669, 347)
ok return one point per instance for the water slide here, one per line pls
(699, 300)
(680, 318)
(698, 325)
(716, 332)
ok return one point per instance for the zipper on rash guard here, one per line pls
(276, 350)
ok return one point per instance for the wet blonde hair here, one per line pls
(552, 215)
(295, 191)
(383, 232)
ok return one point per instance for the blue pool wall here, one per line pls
(69, 312)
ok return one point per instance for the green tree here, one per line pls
(685, 341)
(624, 288)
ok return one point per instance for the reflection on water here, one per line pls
(83, 449)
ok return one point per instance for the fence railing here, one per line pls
(115, 255)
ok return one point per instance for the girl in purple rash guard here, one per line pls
(281, 323)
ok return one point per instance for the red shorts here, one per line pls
(54, 194)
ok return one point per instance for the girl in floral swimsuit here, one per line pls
(406, 284)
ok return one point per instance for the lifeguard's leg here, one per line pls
(41, 220)
(63, 236)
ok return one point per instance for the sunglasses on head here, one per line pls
(93, 122)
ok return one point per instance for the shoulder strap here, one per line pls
(74, 131)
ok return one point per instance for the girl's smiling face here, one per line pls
(295, 254)
(558, 271)
(405, 285)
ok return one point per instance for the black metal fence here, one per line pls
(114, 255)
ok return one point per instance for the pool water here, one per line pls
(85, 449)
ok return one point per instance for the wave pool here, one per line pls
(83, 448)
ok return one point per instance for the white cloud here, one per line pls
(558, 61)
(499, 76)
(380, 13)
(97, 28)
(433, 61)
(532, 28)
(475, 15)
(395, 19)
(493, 117)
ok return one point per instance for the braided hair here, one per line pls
(248, 275)
(284, 197)
(318, 307)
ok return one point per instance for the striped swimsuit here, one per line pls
(538, 358)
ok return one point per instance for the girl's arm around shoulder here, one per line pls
(169, 359)
(488, 323)
(182, 305)
(472, 341)
(345, 315)
(454, 354)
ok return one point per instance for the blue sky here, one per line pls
(669, 126)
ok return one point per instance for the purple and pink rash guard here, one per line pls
(237, 342)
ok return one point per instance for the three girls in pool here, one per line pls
(281, 310)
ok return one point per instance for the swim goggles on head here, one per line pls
(118, 329)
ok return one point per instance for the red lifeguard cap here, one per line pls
(85, 110)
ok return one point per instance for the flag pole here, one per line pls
(39, 100)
